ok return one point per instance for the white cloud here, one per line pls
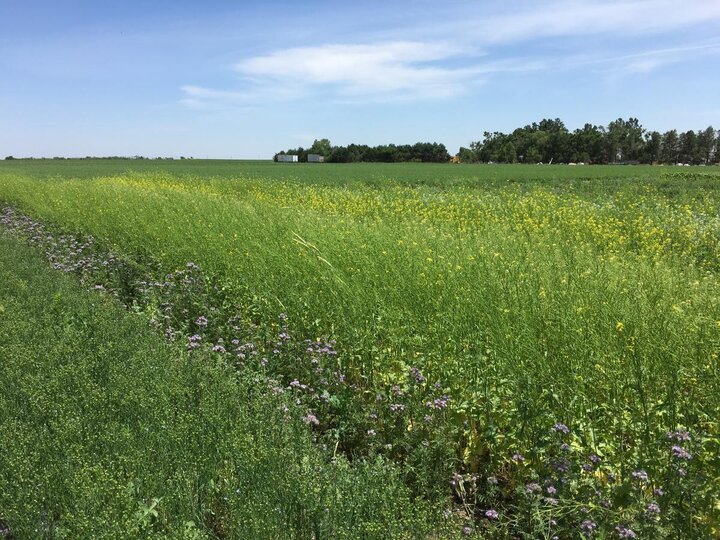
(402, 67)
(578, 18)
(387, 71)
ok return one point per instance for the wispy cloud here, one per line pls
(457, 55)
(582, 18)
(395, 70)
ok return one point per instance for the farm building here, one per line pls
(315, 158)
(287, 158)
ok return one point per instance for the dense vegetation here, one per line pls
(357, 153)
(622, 141)
(539, 344)
(108, 432)
(547, 141)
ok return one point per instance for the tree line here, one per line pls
(386, 153)
(622, 141)
(547, 141)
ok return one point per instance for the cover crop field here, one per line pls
(534, 348)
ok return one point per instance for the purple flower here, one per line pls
(532, 487)
(680, 453)
(311, 419)
(467, 530)
(588, 527)
(653, 509)
(658, 492)
(565, 447)
(551, 490)
(201, 321)
(682, 473)
(680, 435)
(518, 457)
(561, 428)
(640, 475)
(417, 375)
(491, 514)
(295, 384)
(195, 338)
(594, 458)
(395, 407)
(624, 532)
(218, 349)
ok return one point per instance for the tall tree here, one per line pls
(670, 148)
(705, 145)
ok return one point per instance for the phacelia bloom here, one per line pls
(284, 336)
(218, 349)
(587, 467)
(518, 457)
(295, 384)
(201, 321)
(565, 447)
(587, 527)
(195, 338)
(428, 418)
(562, 465)
(371, 432)
(311, 419)
(533, 487)
(682, 473)
(491, 514)
(551, 501)
(594, 458)
(492, 480)
(551, 490)
(679, 435)
(680, 453)
(417, 375)
(653, 509)
(395, 407)
(658, 492)
(624, 532)
(640, 475)
(561, 428)
(467, 530)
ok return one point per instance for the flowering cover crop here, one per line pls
(544, 354)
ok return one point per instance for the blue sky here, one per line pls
(244, 79)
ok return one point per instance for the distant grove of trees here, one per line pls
(390, 153)
(622, 141)
(547, 141)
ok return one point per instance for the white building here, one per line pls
(315, 158)
(287, 158)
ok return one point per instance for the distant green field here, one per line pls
(474, 307)
(579, 177)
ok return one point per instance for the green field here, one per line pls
(460, 318)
